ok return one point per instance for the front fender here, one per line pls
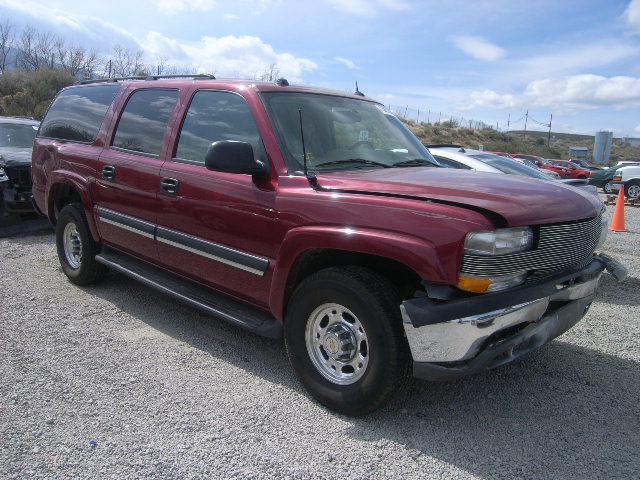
(416, 253)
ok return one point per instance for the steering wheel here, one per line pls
(362, 143)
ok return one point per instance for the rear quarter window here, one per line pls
(77, 113)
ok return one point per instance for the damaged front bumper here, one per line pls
(460, 337)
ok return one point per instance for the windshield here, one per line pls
(507, 165)
(17, 135)
(341, 133)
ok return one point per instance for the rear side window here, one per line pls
(144, 121)
(77, 113)
(215, 116)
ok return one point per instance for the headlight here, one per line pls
(495, 242)
(499, 242)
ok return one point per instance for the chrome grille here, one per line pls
(560, 246)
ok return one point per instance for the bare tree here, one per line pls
(125, 63)
(36, 50)
(76, 59)
(6, 42)
(271, 74)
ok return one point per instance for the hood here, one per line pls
(14, 156)
(519, 200)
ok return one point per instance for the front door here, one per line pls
(217, 227)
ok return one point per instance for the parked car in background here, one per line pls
(628, 177)
(16, 142)
(571, 170)
(603, 178)
(582, 164)
(543, 164)
(455, 156)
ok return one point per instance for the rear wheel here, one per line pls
(76, 248)
(344, 338)
(632, 189)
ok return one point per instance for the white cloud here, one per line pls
(479, 48)
(632, 14)
(229, 56)
(574, 60)
(368, 8)
(231, 16)
(349, 64)
(637, 129)
(174, 6)
(572, 92)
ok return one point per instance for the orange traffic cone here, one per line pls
(617, 224)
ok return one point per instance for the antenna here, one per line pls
(358, 92)
(313, 181)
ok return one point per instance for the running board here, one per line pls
(202, 298)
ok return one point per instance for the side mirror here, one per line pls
(231, 156)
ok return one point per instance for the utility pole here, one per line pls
(526, 117)
(549, 136)
(508, 122)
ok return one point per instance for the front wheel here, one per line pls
(76, 248)
(607, 188)
(344, 338)
(632, 190)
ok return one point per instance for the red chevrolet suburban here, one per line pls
(317, 216)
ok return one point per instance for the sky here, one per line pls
(575, 63)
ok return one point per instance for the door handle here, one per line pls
(169, 185)
(109, 172)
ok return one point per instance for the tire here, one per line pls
(76, 248)
(607, 188)
(344, 338)
(582, 177)
(632, 189)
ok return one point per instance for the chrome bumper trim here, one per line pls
(461, 339)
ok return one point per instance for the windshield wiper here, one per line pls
(361, 161)
(414, 162)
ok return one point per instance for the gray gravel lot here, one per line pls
(118, 381)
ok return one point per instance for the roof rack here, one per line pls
(146, 77)
(438, 145)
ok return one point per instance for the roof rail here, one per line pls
(146, 77)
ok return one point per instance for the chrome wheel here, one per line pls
(337, 344)
(72, 245)
(633, 191)
(607, 188)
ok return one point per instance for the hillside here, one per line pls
(535, 143)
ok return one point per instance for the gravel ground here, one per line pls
(117, 381)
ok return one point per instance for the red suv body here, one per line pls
(315, 215)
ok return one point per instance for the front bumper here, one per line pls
(460, 337)
(616, 186)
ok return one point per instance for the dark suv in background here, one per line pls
(16, 142)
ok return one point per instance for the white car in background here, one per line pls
(456, 156)
(628, 176)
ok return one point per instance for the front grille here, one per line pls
(559, 247)
(20, 176)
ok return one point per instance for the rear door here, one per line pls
(126, 189)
